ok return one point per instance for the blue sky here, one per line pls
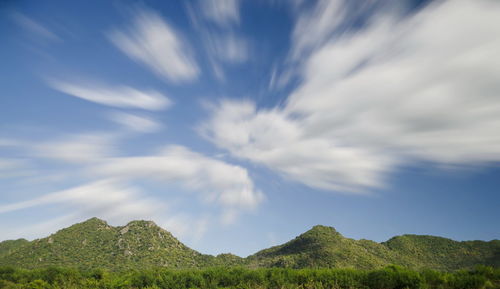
(237, 125)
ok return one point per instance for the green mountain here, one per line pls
(94, 243)
(8, 247)
(142, 244)
(325, 247)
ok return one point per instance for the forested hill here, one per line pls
(325, 247)
(142, 244)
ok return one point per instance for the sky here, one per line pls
(238, 125)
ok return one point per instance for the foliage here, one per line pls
(141, 245)
(325, 247)
(391, 277)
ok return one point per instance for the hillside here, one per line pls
(325, 247)
(8, 247)
(142, 244)
(94, 243)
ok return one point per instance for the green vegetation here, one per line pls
(324, 247)
(7, 247)
(391, 277)
(143, 245)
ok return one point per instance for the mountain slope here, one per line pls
(142, 244)
(94, 243)
(8, 247)
(325, 247)
(419, 251)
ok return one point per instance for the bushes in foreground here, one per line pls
(391, 277)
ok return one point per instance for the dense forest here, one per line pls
(391, 277)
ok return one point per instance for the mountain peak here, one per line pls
(322, 228)
(95, 220)
(141, 223)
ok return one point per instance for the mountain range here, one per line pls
(143, 244)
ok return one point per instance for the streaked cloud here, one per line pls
(224, 189)
(34, 27)
(219, 182)
(229, 48)
(279, 142)
(222, 44)
(394, 92)
(75, 149)
(156, 44)
(106, 198)
(116, 96)
(314, 26)
(221, 12)
(135, 122)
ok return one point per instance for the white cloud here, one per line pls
(222, 12)
(221, 183)
(281, 143)
(229, 48)
(154, 43)
(116, 96)
(75, 149)
(315, 26)
(135, 122)
(424, 88)
(8, 164)
(34, 26)
(14, 167)
(106, 198)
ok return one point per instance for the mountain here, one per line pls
(419, 251)
(94, 243)
(325, 247)
(8, 247)
(142, 244)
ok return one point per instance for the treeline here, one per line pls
(391, 277)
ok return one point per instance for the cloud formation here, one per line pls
(104, 198)
(221, 12)
(227, 185)
(96, 161)
(135, 122)
(116, 96)
(423, 88)
(75, 149)
(154, 43)
(34, 27)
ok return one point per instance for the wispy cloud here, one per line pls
(34, 27)
(276, 140)
(224, 189)
(116, 96)
(229, 48)
(105, 198)
(135, 122)
(423, 88)
(227, 185)
(75, 149)
(222, 12)
(222, 45)
(154, 43)
(314, 27)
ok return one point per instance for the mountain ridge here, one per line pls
(143, 243)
